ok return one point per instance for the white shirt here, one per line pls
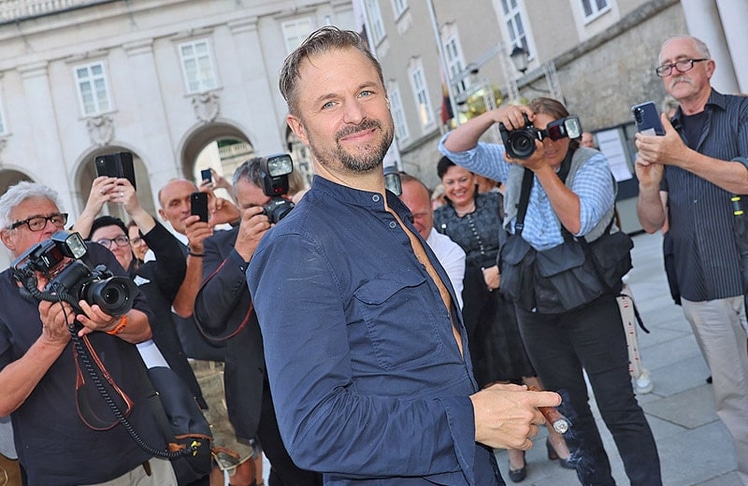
(452, 258)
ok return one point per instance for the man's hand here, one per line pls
(55, 317)
(668, 149)
(197, 231)
(491, 277)
(649, 174)
(223, 211)
(506, 416)
(253, 226)
(94, 319)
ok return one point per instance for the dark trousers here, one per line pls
(283, 470)
(592, 338)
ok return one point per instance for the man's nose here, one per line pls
(354, 112)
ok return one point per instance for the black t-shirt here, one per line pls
(53, 444)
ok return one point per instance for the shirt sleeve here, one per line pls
(327, 424)
(486, 159)
(595, 187)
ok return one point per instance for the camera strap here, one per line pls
(528, 178)
(83, 352)
(241, 325)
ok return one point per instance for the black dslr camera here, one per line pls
(61, 260)
(275, 170)
(520, 143)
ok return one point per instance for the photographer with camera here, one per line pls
(562, 268)
(224, 310)
(38, 368)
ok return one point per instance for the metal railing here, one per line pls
(11, 10)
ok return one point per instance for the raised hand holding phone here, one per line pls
(647, 119)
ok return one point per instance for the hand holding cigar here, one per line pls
(560, 423)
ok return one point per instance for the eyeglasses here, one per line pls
(121, 240)
(38, 223)
(682, 66)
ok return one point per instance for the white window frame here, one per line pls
(295, 31)
(595, 9)
(518, 34)
(398, 112)
(375, 21)
(93, 88)
(203, 77)
(421, 96)
(455, 61)
(399, 7)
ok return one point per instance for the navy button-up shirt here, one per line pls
(700, 213)
(367, 379)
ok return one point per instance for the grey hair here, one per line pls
(701, 47)
(20, 192)
(250, 171)
(325, 39)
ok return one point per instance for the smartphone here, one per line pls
(116, 165)
(206, 175)
(199, 205)
(647, 118)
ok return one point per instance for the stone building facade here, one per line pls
(596, 56)
(159, 78)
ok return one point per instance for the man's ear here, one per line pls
(7, 239)
(298, 128)
(162, 215)
(710, 66)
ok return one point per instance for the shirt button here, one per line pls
(393, 225)
(375, 198)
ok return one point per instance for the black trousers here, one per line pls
(592, 338)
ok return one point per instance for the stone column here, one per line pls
(734, 15)
(704, 22)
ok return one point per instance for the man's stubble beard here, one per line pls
(339, 157)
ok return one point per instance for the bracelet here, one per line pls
(197, 255)
(119, 328)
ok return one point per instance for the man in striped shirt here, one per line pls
(690, 175)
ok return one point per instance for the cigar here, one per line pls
(553, 416)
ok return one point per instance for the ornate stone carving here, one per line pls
(207, 106)
(100, 130)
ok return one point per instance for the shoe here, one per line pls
(518, 475)
(553, 456)
(643, 384)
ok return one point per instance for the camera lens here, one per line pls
(521, 143)
(114, 295)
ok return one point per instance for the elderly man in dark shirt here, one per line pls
(38, 367)
(689, 177)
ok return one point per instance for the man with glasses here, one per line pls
(38, 368)
(690, 178)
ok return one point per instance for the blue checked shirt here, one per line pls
(593, 184)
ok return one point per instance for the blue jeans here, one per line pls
(592, 338)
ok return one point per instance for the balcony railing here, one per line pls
(11, 10)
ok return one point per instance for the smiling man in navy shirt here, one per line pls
(365, 347)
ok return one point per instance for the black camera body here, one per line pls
(520, 143)
(275, 170)
(61, 260)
